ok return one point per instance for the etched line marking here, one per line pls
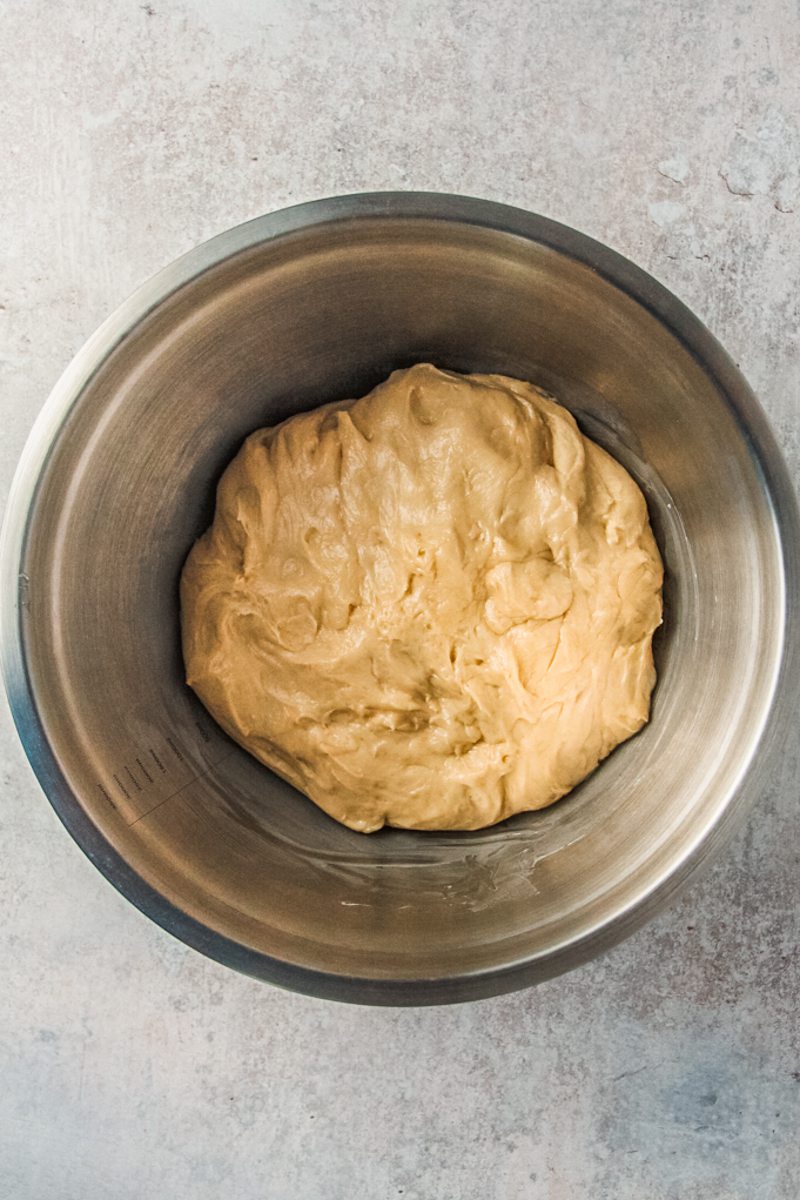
(122, 787)
(158, 761)
(133, 779)
(183, 788)
(106, 796)
(175, 750)
(144, 770)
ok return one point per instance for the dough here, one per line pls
(431, 607)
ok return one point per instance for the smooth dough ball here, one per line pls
(431, 607)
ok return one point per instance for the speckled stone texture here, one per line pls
(131, 1067)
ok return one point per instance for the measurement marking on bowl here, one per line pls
(182, 788)
(148, 769)
(105, 794)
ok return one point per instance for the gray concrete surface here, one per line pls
(131, 1067)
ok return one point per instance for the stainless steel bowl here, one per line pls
(304, 306)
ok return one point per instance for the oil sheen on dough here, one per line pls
(431, 607)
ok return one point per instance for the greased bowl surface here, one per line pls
(321, 302)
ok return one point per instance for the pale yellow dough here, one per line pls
(431, 607)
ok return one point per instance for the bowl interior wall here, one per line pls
(322, 314)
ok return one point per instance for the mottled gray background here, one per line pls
(130, 1067)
